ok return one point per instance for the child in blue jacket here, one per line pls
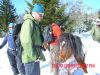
(11, 50)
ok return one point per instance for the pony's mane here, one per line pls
(75, 44)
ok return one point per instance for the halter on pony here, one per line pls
(72, 44)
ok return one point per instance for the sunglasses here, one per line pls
(41, 14)
(11, 27)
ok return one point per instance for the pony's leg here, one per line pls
(82, 65)
(54, 59)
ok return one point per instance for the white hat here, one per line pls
(97, 21)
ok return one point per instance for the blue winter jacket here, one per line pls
(11, 44)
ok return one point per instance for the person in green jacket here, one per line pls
(30, 37)
(96, 31)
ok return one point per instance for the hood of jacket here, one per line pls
(28, 16)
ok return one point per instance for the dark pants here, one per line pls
(32, 68)
(19, 63)
(15, 62)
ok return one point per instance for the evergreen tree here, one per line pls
(54, 10)
(7, 12)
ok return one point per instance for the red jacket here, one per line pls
(56, 33)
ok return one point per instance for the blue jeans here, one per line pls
(78, 72)
(32, 68)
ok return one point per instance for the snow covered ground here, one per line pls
(91, 49)
(5, 68)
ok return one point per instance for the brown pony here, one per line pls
(71, 44)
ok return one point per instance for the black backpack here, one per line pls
(48, 34)
(17, 38)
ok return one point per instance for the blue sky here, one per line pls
(20, 5)
(95, 4)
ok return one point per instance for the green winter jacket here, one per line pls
(29, 36)
(96, 33)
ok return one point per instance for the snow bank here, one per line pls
(5, 68)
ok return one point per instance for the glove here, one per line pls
(45, 45)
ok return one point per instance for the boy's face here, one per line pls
(11, 29)
(37, 16)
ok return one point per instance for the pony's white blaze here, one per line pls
(61, 44)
